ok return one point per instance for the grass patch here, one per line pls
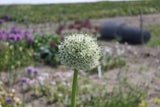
(155, 35)
(65, 12)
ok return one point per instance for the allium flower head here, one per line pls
(30, 69)
(30, 39)
(27, 33)
(19, 37)
(12, 37)
(2, 37)
(0, 48)
(3, 32)
(15, 30)
(79, 51)
(7, 16)
(25, 80)
(36, 71)
(8, 100)
(1, 21)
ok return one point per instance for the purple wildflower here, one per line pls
(12, 37)
(9, 100)
(36, 71)
(27, 33)
(25, 80)
(2, 37)
(19, 32)
(15, 30)
(30, 39)
(0, 48)
(19, 37)
(3, 32)
(30, 69)
(1, 21)
(7, 16)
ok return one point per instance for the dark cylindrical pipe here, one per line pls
(109, 29)
(113, 29)
(134, 35)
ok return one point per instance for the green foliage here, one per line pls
(4, 94)
(65, 12)
(119, 97)
(15, 54)
(45, 47)
(155, 35)
(123, 95)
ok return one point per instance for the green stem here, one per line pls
(74, 88)
(23, 103)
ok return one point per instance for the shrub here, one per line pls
(45, 47)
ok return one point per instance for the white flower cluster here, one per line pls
(79, 51)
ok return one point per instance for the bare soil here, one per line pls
(48, 28)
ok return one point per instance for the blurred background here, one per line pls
(128, 31)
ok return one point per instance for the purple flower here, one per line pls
(7, 16)
(1, 21)
(27, 33)
(19, 32)
(25, 80)
(15, 30)
(3, 32)
(36, 71)
(8, 100)
(12, 37)
(30, 39)
(2, 37)
(30, 69)
(0, 48)
(19, 37)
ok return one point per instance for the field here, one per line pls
(31, 74)
(66, 12)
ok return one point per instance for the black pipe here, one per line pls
(109, 29)
(113, 29)
(134, 35)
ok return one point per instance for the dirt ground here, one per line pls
(142, 68)
(48, 28)
(148, 19)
